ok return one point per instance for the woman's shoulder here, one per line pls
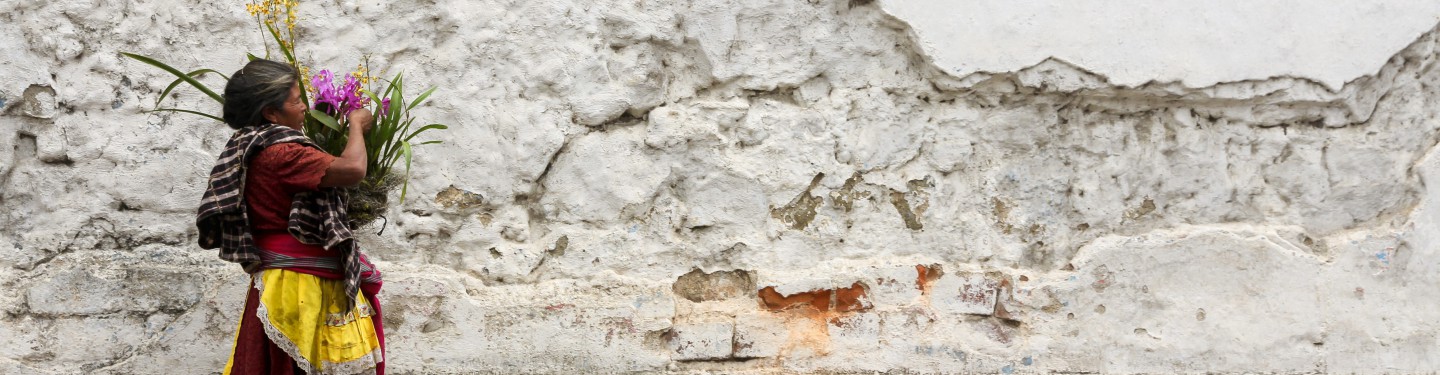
(288, 153)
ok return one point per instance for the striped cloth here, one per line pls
(316, 218)
(280, 249)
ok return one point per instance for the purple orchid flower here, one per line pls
(337, 101)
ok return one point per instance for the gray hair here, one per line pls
(260, 84)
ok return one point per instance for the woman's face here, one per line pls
(291, 113)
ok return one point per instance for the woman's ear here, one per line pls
(270, 114)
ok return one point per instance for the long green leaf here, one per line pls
(395, 84)
(420, 98)
(187, 111)
(397, 99)
(371, 95)
(375, 145)
(289, 57)
(424, 128)
(194, 74)
(406, 187)
(177, 73)
(394, 129)
(391, 158)
(388, 89)
(200, 72)
(375, 139)
(384, 127)
(325, 119)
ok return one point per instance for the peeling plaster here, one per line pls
(1132, 43)
(626, 183)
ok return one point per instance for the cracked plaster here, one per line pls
(1135, 42)
(1061, 210)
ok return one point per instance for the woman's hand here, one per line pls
(349, 168)
(363, 118)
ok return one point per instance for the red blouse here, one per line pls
(275, 175)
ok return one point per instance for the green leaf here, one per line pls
(186, 111)
(289, 56)
(393, 130)
(187, 78)
(194, 74)
(325, 119)
(397, 100)
(426, 143)
(396, 84)
(424, 128)
(390, 88)
(251, 56)
(211, 71)
(420, 98)
(405, 149)
(373, 98)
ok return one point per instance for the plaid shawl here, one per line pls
(316, 218)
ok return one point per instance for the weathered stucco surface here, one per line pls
(761, 186)
(1133, 42)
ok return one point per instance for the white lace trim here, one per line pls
(357, 366)
(364, 364)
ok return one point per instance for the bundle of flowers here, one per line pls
(334, 97)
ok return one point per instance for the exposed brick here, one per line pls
(926, 276)
(999, 331)
(893, 286)
(759, 335)
(702, 341)
(965, 293)
(840, 299)
(851, 299)
(698, 286)
(1006, 307)
(453, 197)
(1004, 313)
(816, 299)
(801, 210)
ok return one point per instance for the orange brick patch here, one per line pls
(839, 299)
(817, 299)
(926, 275)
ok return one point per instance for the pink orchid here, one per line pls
(337, 101)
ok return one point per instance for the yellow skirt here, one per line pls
(304, 315)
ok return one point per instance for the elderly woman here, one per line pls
(272, 207)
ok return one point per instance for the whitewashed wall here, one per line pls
(646, 186)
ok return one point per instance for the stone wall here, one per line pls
(740, 186)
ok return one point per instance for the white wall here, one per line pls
(1033, 216)
(1197, 43)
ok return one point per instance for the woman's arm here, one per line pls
(349, 168)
